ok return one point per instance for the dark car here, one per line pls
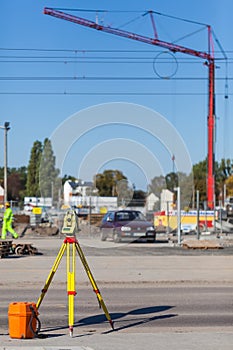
(126, 225)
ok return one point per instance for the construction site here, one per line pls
(174, 290)
(216, 218)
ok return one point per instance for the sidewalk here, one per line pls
(32, 271)
(148, 341)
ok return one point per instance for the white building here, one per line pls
(151, 200)
(80, 193)
(32, 202)
(166, 200)
(1, 194)
(76, 188)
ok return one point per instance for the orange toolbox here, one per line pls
(22, 320)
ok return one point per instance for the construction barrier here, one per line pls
(188, 219)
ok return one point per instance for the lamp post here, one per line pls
(6, 128)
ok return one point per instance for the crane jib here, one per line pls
(210, 62)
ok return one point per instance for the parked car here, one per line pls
(126, 225)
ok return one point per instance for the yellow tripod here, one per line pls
(71, 245)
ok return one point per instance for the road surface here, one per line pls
(162, 301)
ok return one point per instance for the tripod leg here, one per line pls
(51, 274)
(93, 283)
(71, 285)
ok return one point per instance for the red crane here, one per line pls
(209, 60)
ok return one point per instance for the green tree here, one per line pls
(223, 171)
(172, 181)
(16, 180)
(2, 174)
(199, 178)
(186, 186)
(48, 174)
(67, 177)
(157, 184)
(124, 193)
(106, 182)
(139, 199)
(13, 186)
(32, 184)
(229, 185)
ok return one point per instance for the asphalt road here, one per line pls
(151, 311)
(156, 299)
(138, 308)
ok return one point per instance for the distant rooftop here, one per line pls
(80, 183)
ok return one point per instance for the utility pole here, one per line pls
(198, 215)
(6, 128)
(178, 215)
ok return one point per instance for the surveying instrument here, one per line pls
(71, 245)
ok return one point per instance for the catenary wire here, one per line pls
(107, 78)
(107, 93)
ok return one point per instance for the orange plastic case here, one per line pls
(22, 323)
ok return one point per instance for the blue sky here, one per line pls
(41, 56)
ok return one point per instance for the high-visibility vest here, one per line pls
(8, 215)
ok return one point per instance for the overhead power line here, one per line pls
(107, 93)
(107, 78)
(98, 59)
(79, 50)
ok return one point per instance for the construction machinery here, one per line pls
(208, 57)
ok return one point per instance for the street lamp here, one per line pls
(6, 128)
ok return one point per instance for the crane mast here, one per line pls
(207, 56)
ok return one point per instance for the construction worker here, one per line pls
(7, 222)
